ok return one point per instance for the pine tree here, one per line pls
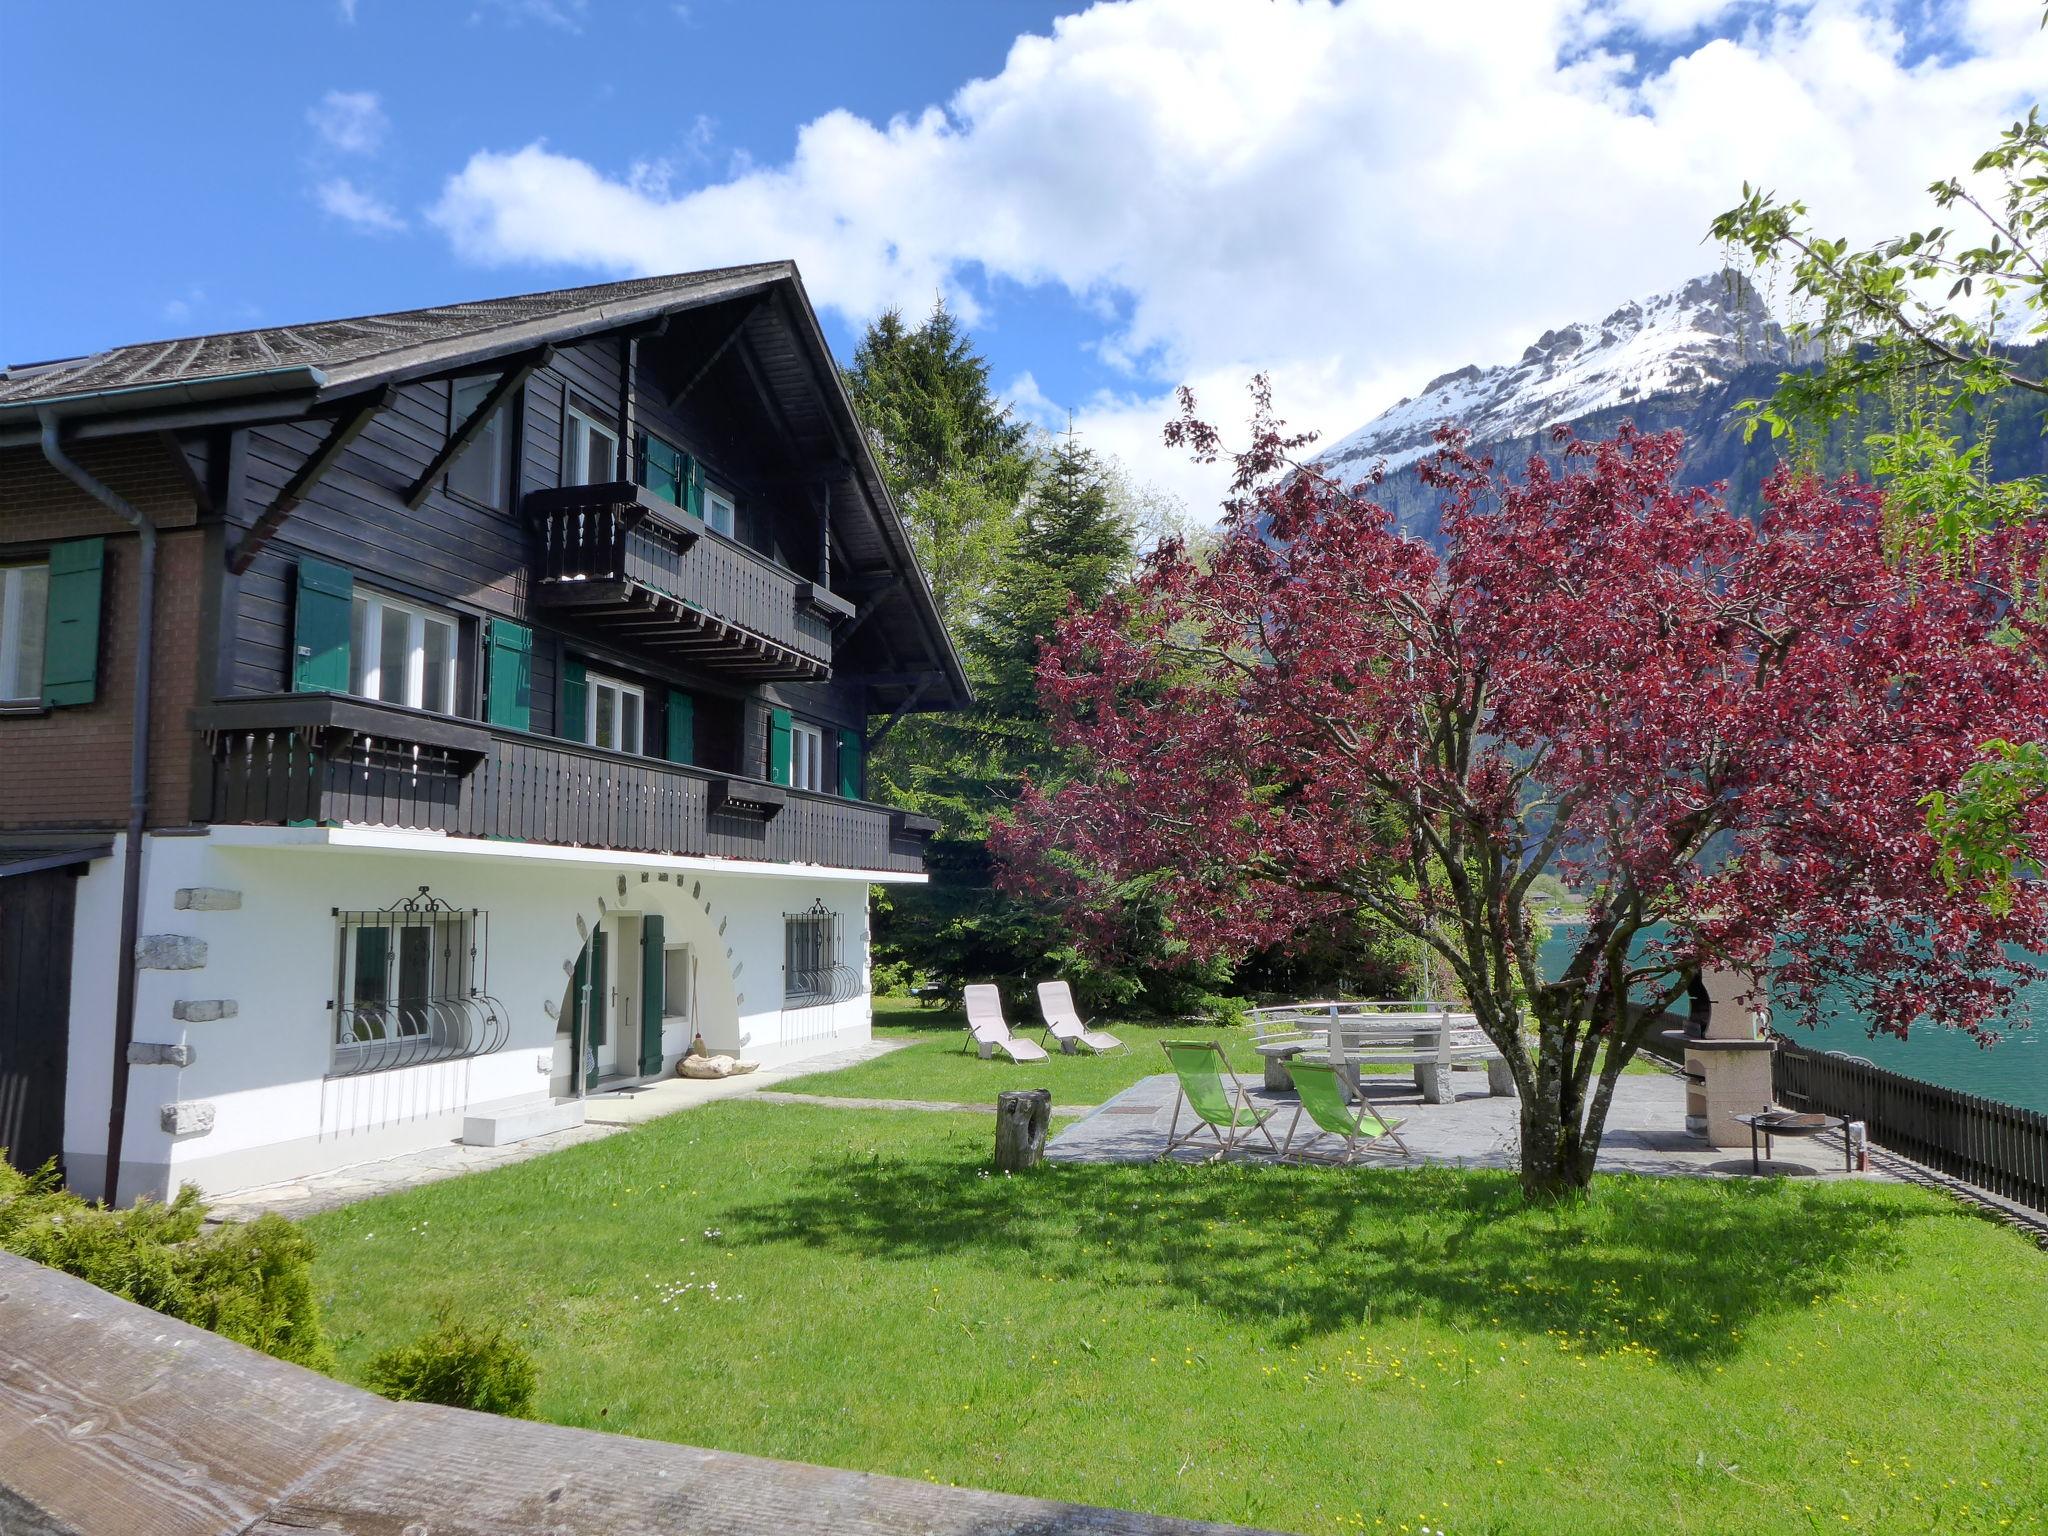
(1073, 540)
(953, 458)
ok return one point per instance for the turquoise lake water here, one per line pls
(2014, 1071)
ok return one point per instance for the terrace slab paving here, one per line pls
(1645, 1131)
(606, 1112)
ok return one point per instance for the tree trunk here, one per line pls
(1022, 1115)
(1554, 1145)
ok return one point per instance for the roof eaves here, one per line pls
(893, 528)
(487, 344)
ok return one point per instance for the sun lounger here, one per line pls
(1063, 1021)
(985, 1027)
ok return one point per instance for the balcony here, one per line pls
(628, 564)
(321, 759)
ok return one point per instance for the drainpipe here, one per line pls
(138, 783)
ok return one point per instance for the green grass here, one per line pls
(936, 1067)
(1306, 1348)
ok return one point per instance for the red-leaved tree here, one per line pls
(1720, 724)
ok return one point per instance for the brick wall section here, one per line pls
(69, 768)
(38, 504)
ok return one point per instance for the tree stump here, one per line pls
(1022, 1115)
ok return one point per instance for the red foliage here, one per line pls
(1724, 723)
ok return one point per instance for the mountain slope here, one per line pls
(1672, 350)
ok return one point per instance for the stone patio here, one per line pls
(606, 1113)
(1645, 1130)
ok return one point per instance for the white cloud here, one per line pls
(350, 122)
(1353, 197)
(353, 205)
(566, 15)
(348, 11)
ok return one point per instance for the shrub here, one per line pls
(248, 1282)
(461, 1365)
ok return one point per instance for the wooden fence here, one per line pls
(1997, 1147)
(118, 1420)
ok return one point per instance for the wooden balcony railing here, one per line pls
(325, 759)
(620, 556)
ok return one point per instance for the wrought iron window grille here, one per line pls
(411, 986)
(813, 973)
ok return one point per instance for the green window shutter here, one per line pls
(652, 938)
(661, 468)
(682, 727)
(71, 622)
(693, 486)
(575, 721)
(778, 746)
(509, 701)
(579, 1012)
(849, 764)
(599, 999)
(320, 628)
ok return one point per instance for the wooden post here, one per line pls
(1022, 1115)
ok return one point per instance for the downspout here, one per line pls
(138, 784)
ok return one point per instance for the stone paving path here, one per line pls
(937, 1106)
(1645, 1131)
(606, 1114)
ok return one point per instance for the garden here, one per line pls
(1305, 1348)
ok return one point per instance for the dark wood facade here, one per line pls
(810, 608)
(36, 910)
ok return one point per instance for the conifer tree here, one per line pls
(953, 458)
(1073, 540)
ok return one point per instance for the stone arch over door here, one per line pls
(689, 916)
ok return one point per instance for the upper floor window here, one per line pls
(24, 600)
(479, 473)
(806, 757)
(718, 511)
(615, 712)
(401, 653)
(592, 456)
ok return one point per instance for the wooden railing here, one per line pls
(1997, 1147)
(116, 1418)
(315, 758)
(598, 542)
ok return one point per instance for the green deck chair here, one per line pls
(1210, 1088)
(1323, 1091)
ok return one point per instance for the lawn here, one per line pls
(935, 1067)
(1306, 1348)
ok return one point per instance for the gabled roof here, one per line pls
(278, 371)
(371, 349)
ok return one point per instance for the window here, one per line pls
(24, 596)
(662, 468)
(593, 451)
(479, 473)
(614, 712)
(806, 756)
(400, 653)
(717, 511)
(397, 978)
(810, 944)
(678, 973)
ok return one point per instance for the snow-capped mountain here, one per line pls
(1671, 349)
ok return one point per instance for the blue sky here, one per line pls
(1118, 198)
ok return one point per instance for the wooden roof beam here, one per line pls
(345, 430)
(704, 368)
(512, 379)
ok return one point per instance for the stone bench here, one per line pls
(1434, 1043)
